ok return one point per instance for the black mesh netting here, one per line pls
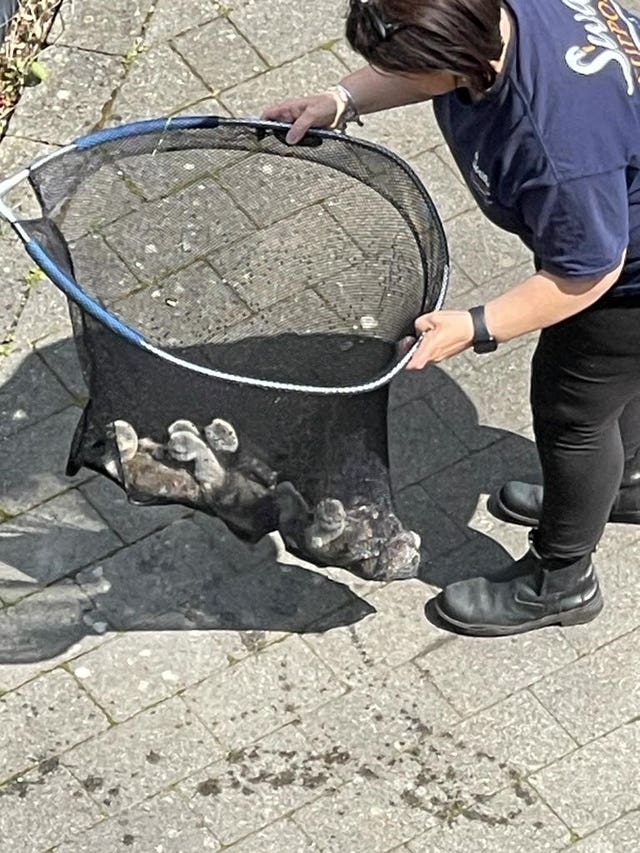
(235, 252)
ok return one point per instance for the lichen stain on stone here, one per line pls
(49, 765)
(209, 788)
(93, 783)
(524, 794)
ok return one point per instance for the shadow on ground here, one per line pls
(192, 574)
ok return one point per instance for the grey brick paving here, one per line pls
(510, 822)
(619, 837)
(596, 694)
(91, 25)
(448, 192)
(597, 783)
(52, 714)
(222, 54)
(356, 651)
(40, 807)
(284, 31)
(69, 102)
(171, 19)
(142, 756)
(409, 131)
(28, 392)
(162, 823)
(280, 837)
(255, 786)
(61, 357)
(201, 722)
(620, 580)
(47, 543)
(144, 93)
(130, 522)
(474, 675)
(153, 668)
(32, 462)
(263, 692)
(306, 75)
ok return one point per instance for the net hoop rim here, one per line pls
(75, 293)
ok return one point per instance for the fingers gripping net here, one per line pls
(233, 254)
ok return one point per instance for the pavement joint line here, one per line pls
(246, 39)
(539, 702)
(74, 397)
(214, 91)
(617, 819)
(64, 491)
(570, 829)
(83, 689)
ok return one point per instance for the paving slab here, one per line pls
(394, 711)
(33, 462)
(163, 823)
(172, 19)
(445, 187)
(262, 693)
(50, 542)
(473, 675)
(153, 666)
(595, 784)
(597, 693)
(281, 837)
(44, 315)
(69, 102)
(91, 25)
(509, 822)
(358, 651)
(220, 54)
(619, 578)
(129, 521)
(282, 32)
(440, 533)
(52, 714)
(29, 392)
(421, 444)
(254, 787)
(409, 131)
(143, 756)
(313, 73)
(619, 837)
(61, 357)
(481, 249)
(39, 808)
(144, 93)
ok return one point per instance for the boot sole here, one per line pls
(578, 616)
(503, 513)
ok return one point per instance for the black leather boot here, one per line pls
(521, 503)
(544, 596)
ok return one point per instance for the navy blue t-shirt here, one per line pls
(552, 151)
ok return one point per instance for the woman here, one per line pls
(540, 105)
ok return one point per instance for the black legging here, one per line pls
(585, 396)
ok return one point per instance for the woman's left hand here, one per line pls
(447, 334)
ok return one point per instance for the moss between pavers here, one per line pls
(19, 67)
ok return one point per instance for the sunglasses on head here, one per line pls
(385, 29)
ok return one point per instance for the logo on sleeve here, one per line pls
(611, 37)
(480, 179)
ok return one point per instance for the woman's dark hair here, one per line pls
(462, 36)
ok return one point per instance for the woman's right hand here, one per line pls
(303, 113)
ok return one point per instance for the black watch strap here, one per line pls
(483, 340)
